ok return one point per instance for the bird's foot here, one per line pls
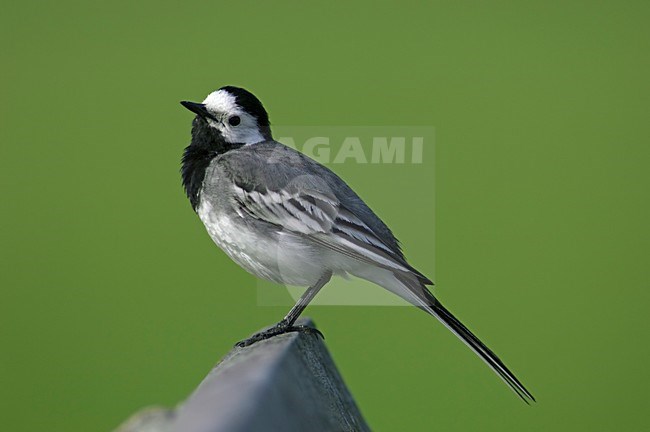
(278, 329)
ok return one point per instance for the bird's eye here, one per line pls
(234, 120)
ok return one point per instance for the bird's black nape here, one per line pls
(250, 103)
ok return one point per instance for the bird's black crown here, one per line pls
(249, 103)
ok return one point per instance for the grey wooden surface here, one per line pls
(287, 383)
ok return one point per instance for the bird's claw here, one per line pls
(278, 329)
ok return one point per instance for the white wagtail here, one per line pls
(288, 219)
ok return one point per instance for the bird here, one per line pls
(288, 219)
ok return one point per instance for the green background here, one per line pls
(113, 297)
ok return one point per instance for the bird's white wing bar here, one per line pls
(304, 213)
(321, 218)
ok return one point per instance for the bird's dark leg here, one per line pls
(286, 325)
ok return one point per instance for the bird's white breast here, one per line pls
(237, 243)
(280, 257)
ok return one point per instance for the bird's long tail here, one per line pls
(427, 302)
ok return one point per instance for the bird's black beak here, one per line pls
(198, 109)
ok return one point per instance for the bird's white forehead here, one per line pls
(221, 101)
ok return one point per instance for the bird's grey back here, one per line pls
(272, 165)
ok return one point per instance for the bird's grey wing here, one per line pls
(296, 199)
